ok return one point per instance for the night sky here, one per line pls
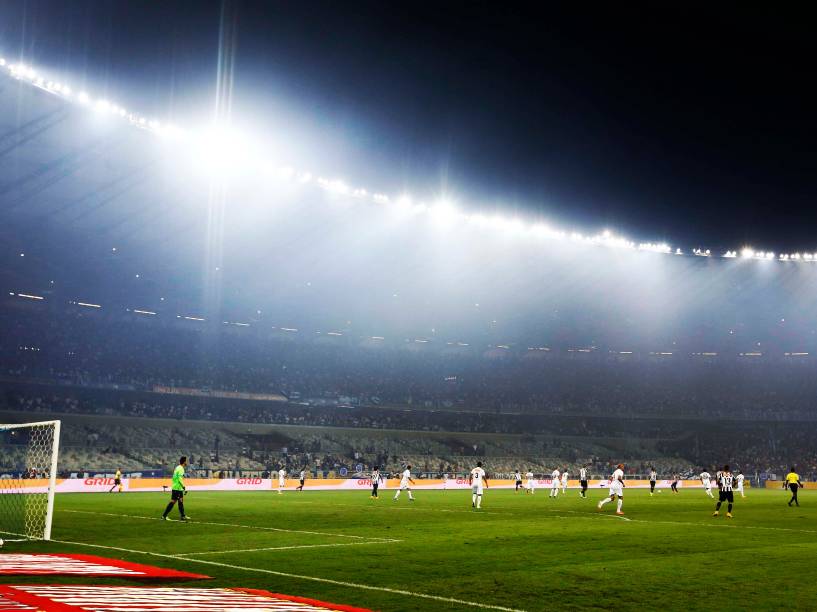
(688, 124)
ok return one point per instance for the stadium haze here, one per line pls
(226, 365)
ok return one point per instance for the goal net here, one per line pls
(28, 477)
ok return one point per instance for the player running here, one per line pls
(674, 484)
(282, 480)
(706, 480)
(531, 484)
(554, 483)
(564, 482)
(117, 481)
(477, 480)
(739, 480)
(583, 481)
(725, 494)
(178, 491)
(405, 484)
(653, 478)
(376, 480)
(301, 480)
(616, 489)
(517, 476)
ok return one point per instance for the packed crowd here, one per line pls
(93, 349)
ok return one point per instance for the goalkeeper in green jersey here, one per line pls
(178, 490)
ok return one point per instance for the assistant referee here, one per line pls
(793, 483)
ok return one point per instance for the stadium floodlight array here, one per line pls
(28, 478)
(441, 213)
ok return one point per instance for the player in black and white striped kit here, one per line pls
(376, 480)
(583, 481)
(653, 477)
(725, 482)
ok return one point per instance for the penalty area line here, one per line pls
(248, 550)
(258, 527)
(353, 585)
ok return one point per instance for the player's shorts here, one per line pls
(404, 486)
(301, 481)
(117, 481)
(518, 483)
(530, 485)
(708, 486)
(555, 484)
(726, 496)
(617, 489)
(476, 489)
(583, 483)
(176, 495)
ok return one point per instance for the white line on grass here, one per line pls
(258, 527)
(246, 550)
(354, 585)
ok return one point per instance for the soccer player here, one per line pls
(616, 489)
(531, 485)
(653, 478)
(554, 483)
(674, 484)
(282, 480)
(517, 476)
(376, 480)
(564, 482)
(706, 480)
(177, 490)
(477, 480)
(725, 494)
(583, 481)
(793, 483)
(301, 480)
(739, 480)
(117, 481)
(405, 483)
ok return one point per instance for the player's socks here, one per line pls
(167, 510)
(618, 506)
(602, 502)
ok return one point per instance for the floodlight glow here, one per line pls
(220, 150)
(747, 253)
(444, 213)
(381, 198)
(83, 98)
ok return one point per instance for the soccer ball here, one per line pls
(660, 491)
(1, 542)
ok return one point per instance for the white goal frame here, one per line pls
(52, 472)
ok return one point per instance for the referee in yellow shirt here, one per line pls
(793, 483)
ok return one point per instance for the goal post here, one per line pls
(28, 478)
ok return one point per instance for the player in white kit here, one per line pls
(282, 480)
(739, 481)
(564, 482)
(530, 487)
(405, 482)
(616, 489)
(706, 480)
(554, 483)
(477, 480)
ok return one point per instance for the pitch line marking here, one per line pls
(354, 585)
(246, 550)
(258, 527)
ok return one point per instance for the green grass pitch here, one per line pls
(519, 552)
